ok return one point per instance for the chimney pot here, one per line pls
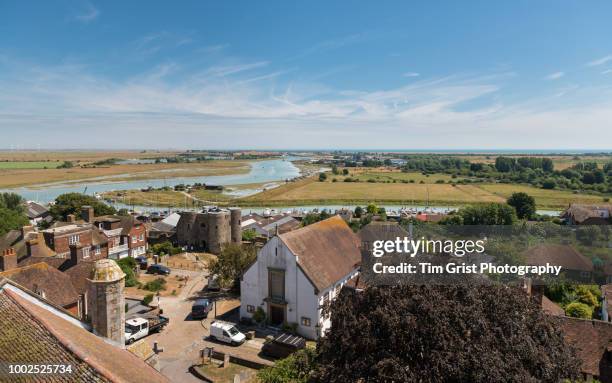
(70, 218)
(8, 261)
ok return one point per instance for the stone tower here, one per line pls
(106, 301)
(235, 222)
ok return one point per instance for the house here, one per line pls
(37, 213)
(592, 340)
(59, 238)
(575, 265)
(125, 235)
(44, 280)
(35, 331)
(267, 225)
(581, 214)
(298, 273)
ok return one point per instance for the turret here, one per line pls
(106, 301)
(236, 228)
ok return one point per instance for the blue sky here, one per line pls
(318, 74)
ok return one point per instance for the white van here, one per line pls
(226, 332)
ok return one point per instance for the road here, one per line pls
(183, 338)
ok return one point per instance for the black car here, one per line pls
(158, 269)
(142, 262)
(201, 308)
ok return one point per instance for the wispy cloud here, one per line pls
(335, 43)
(555, 76)
(607, 71)
(600, 61)
(89, 14)
(411, 74)
(243, 104)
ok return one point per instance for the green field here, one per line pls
(30, 164)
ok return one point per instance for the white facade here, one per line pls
(302, 302)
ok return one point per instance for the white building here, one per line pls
(298, 272)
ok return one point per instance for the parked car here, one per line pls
(158, 269)
(141, 262)
(138, 328)
(283, 345)
(226, 332)
(201, 308)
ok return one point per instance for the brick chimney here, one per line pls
(8, 261)
(70, 218)
(87, 213)
(76, 253)
(33, 247)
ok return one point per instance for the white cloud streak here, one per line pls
(555, 76)
(600, 61)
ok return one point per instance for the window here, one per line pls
(141, 237)
(250, 308)
(73, 240)
(134, 239)
(305, 321)
(276, 284)
(97, 250)
(86, 252)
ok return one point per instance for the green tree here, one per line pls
(488, 214)
(165, 247)
(578, 310)
(232, 263)
(128, 265)
(358, 212)
(12, 201)
(322, 177)
(523, 204)
(11, 220)
(345, 172)
(295, 368)
(334, 169)
(588, 234)
(249, 235)
(71, 203)
(372, 209)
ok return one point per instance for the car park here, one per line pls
(158, 269)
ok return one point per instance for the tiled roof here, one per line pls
(35, 332)
(551, 308)
(590, 338)
(560, 255)
(35, 210)
(581, 212)
(43, 278)
(327, 250)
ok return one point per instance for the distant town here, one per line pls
(247, 266)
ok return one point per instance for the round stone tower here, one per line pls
(218, 230)
(106, 301)
(236, 219)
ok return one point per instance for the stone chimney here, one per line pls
(25, 230)
(87, 213)
(8, 261)
(33, 247)
(76, 253)
(106, 301)
(70, 218)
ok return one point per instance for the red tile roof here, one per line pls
(590, 338)
(327, 250)
(560, 255)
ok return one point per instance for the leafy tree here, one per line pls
(358, 212)
(165, 247)
(334, 169)
(311, 218)
(523, 204)
(11, 220)
(128, 265)
(71, 203)
(488, 214)
(249, 235)
(295, 368)
(372, 209)
(345, 172)
(587, 234)
(322, 177)
(428, 334)
(549, 184)
(578, 310)
(232, 263)
(12, 201)
(505, 164)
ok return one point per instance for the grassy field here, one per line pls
(383, 175)
(79, 156)
(29, 164)
(312, 192)
(544, 198)
(132, 172)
